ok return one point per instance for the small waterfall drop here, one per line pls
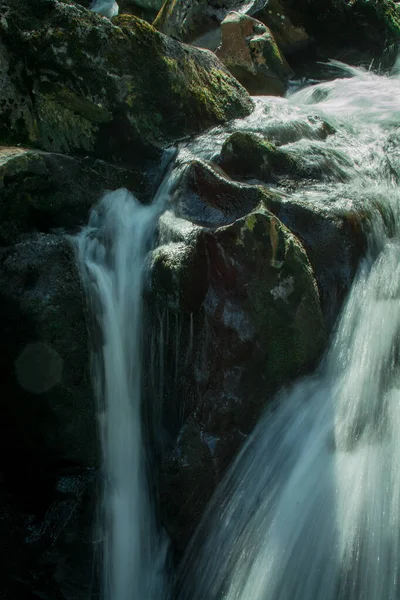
(112, 253)
(310, 510)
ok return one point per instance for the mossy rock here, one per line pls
(76, 84)
(247, 155)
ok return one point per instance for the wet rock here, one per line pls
(247, 155)
(48, 535)
(43, 191)
(145, 9)
(251, 54)
(333, 232)
(334, 235)
(187, 482)
(250, 156)
(74, 83)
(253, 323)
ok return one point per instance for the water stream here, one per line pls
(310, 510)
(112, 252)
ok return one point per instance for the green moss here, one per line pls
(61, 129)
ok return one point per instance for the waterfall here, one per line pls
(112, 254)
(310, 510)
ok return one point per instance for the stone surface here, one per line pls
(333, 233)
(251, 54)
(289, 37)
(74, 83)
(234, 295)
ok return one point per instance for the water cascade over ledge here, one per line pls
(310, 509)
(112, 252)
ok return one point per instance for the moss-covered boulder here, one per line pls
(247, 155)
(234, 298)
(251, 54)
(76, 83)
(333, 230)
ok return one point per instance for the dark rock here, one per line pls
(186, 20)
(366, 25)
(250, 156)
(245, 321)
(48, 410)
(42, 191)
(334, 234)
(290, 38)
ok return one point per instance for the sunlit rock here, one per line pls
(251, 54)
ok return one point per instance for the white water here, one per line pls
(112, 253)
(107, 8)
(310, 510)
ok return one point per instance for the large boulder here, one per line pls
(251, 54)
(289, 37)
(73, 82)
(234, 295)
(199, 22)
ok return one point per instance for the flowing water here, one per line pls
(310, 510)
(112, 252)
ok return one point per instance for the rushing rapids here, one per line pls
(310, 510)
(311, 507)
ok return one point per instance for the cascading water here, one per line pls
(112, 252)
(310, 510)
